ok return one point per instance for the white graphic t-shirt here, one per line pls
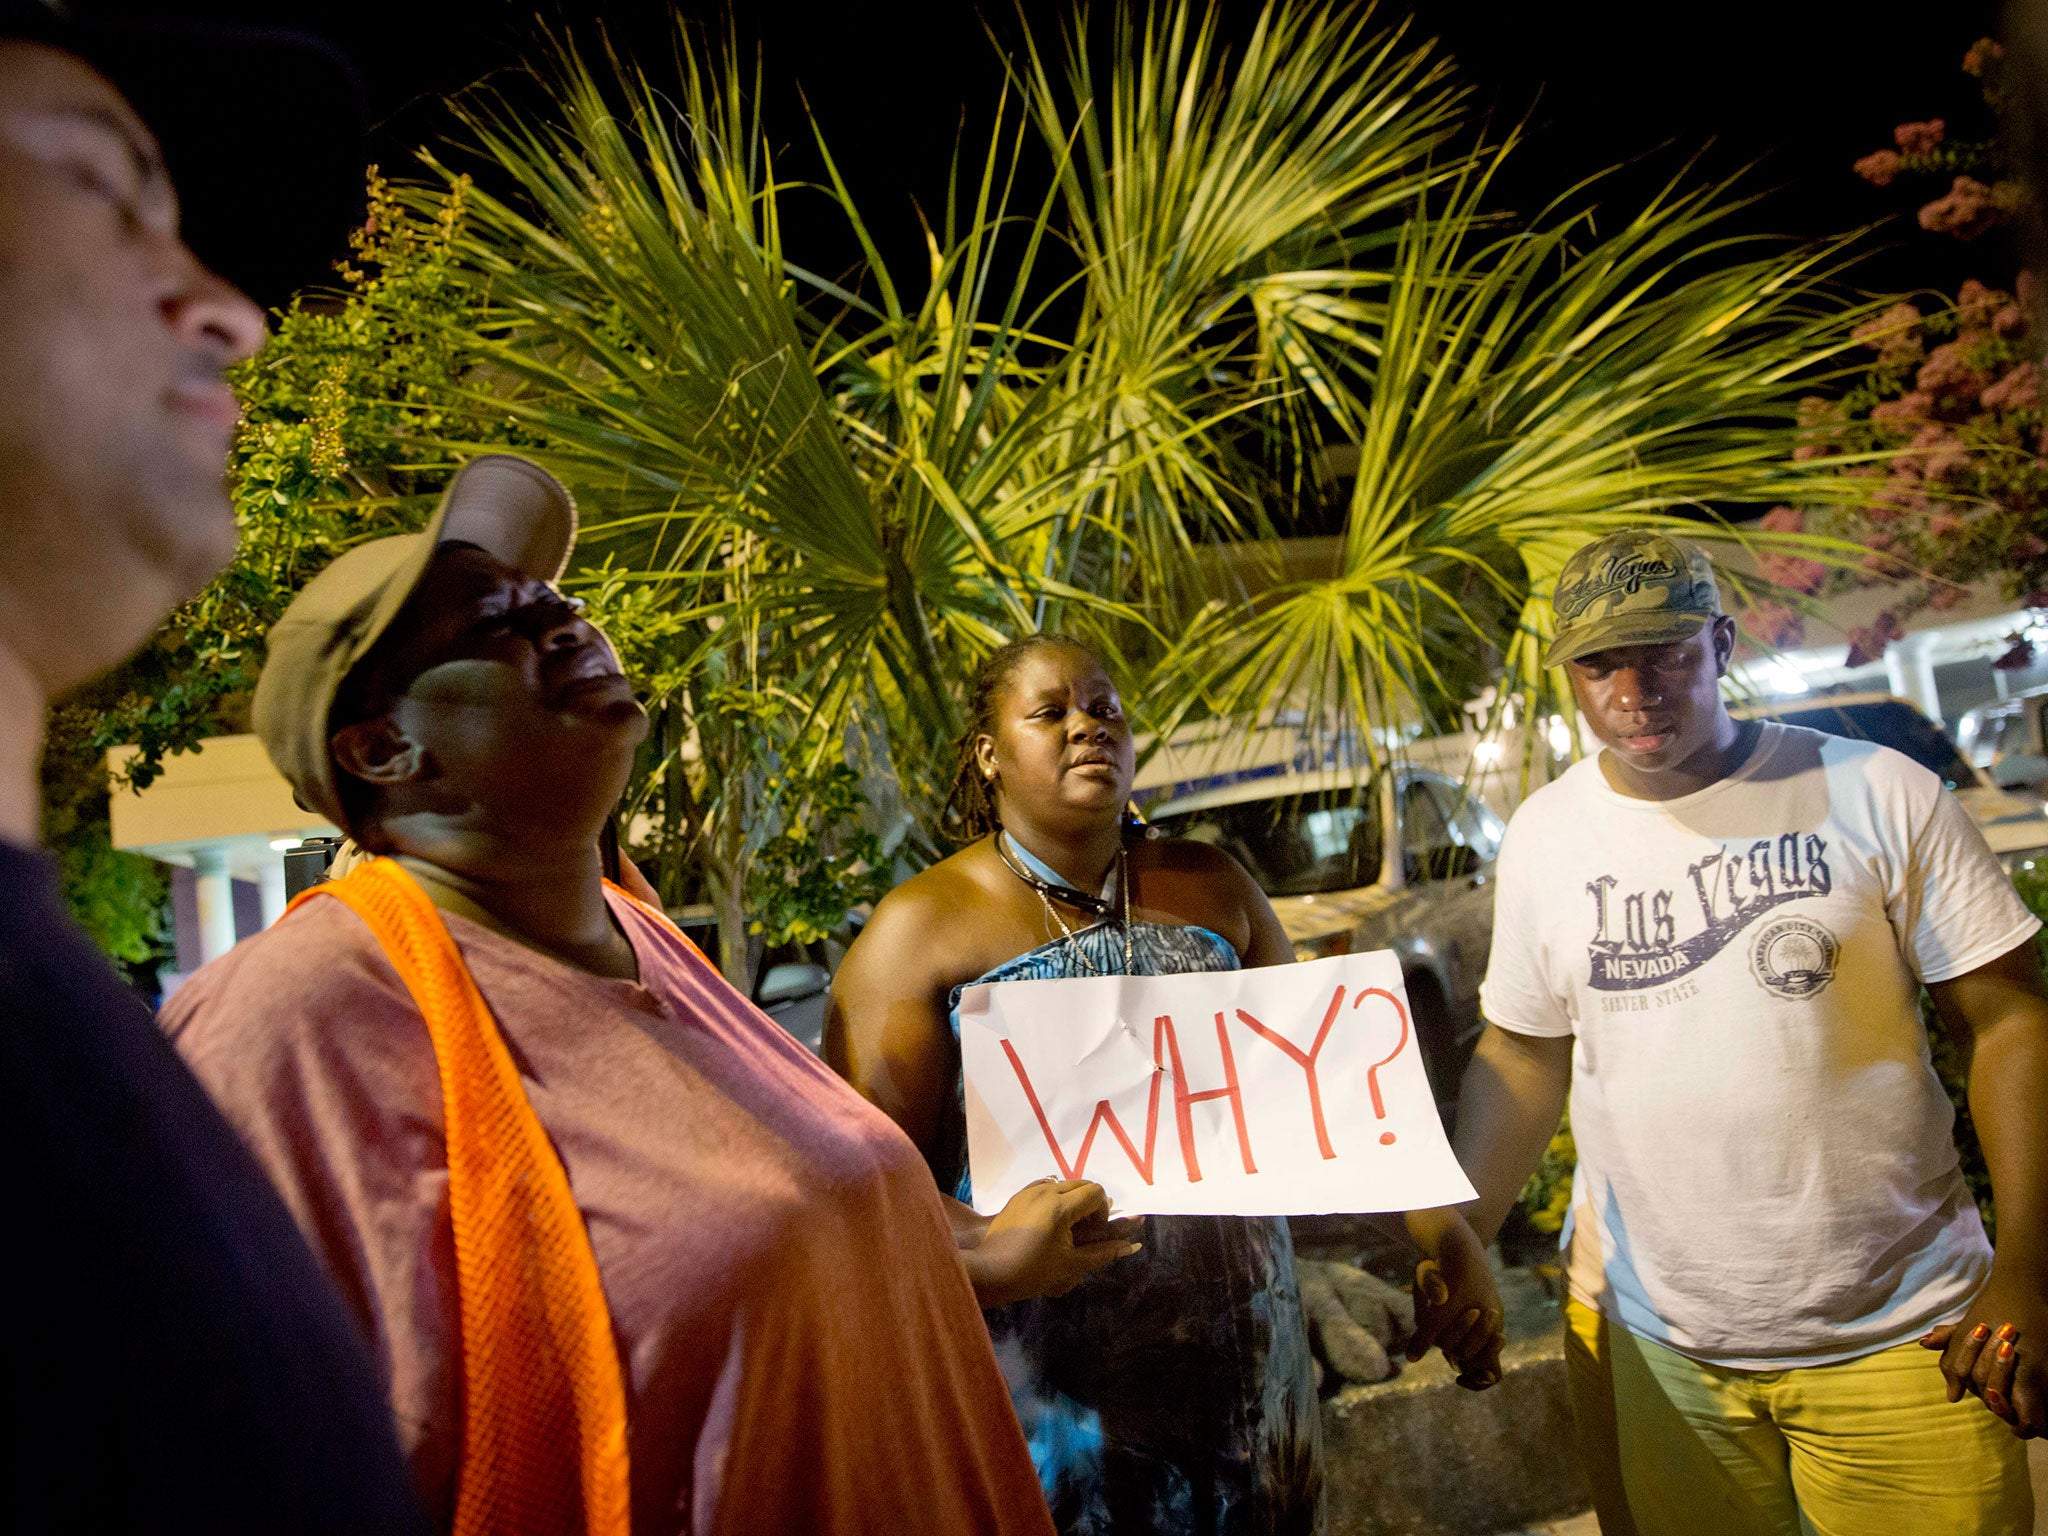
(1766, 1171)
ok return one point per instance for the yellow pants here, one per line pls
(1867, 1447)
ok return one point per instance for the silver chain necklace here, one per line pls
(1047, 892)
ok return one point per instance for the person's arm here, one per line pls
(886, 1033)
(1509, 1104)
(1457, 1306)
(1999, 1350)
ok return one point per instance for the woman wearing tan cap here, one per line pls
(631, 1259)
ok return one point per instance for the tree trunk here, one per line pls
(735, 944)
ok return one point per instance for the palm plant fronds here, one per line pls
(642, 324)
(1530, 392)
(1219, 207)
(1096, 395)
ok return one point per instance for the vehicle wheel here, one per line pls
(1434, 1035)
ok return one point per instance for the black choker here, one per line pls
(1095, 906)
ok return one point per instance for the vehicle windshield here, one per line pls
(1293, 845)
(1891, 724)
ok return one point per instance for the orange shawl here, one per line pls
(543, 1399)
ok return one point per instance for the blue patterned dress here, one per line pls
(1171, 1391)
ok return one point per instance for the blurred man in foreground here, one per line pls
(176, 1360)
(1714, 934)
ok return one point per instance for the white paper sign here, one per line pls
(1287, 1090)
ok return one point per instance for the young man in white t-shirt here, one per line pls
(1714, 934)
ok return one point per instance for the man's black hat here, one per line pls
(264, 131)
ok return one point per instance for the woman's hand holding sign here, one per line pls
(1046, 1240)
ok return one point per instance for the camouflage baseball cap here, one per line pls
(1631, 588)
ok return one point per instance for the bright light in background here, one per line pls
(284, 844)
(1488, 754)
(1560, 736)
(1782, 677)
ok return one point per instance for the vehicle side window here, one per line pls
(1293, 845)
(1472, 824)
(1427, 848)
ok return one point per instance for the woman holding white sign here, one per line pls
(1166, 1386)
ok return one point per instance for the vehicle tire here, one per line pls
(1434, 1035)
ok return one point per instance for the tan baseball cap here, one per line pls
(1635, 587)
(506, 505)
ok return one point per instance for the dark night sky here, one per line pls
(1806, 85)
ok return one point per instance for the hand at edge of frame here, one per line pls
(1998, 1351)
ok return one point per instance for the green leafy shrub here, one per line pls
(119, 898)
(1548, 1194)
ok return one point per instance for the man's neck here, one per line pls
(23, 705)
(1722, 756)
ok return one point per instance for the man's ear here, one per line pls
(985, 756)
(1724, 644)
(378, 752)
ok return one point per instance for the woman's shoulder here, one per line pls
(317, 962)
(940, 889)
(944, 925)
(1198, 884)
(1183, 854)
(1185, 866)
(312, 997)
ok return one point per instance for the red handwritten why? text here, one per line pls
(1166, 1048)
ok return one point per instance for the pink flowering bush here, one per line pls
(1895, 335)
(1976, 305)
(1984, 56)
(1971, 208)
(1953, 376)
(1952, 394)
(1868, 643)
(1920, 138)
(1790, 571)
(2019, 390)
(1906, 412)
(1771, 623)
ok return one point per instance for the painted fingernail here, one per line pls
(1981, 1332)
(1995, 1398)
(2005, 1350)
(2008, 1331)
